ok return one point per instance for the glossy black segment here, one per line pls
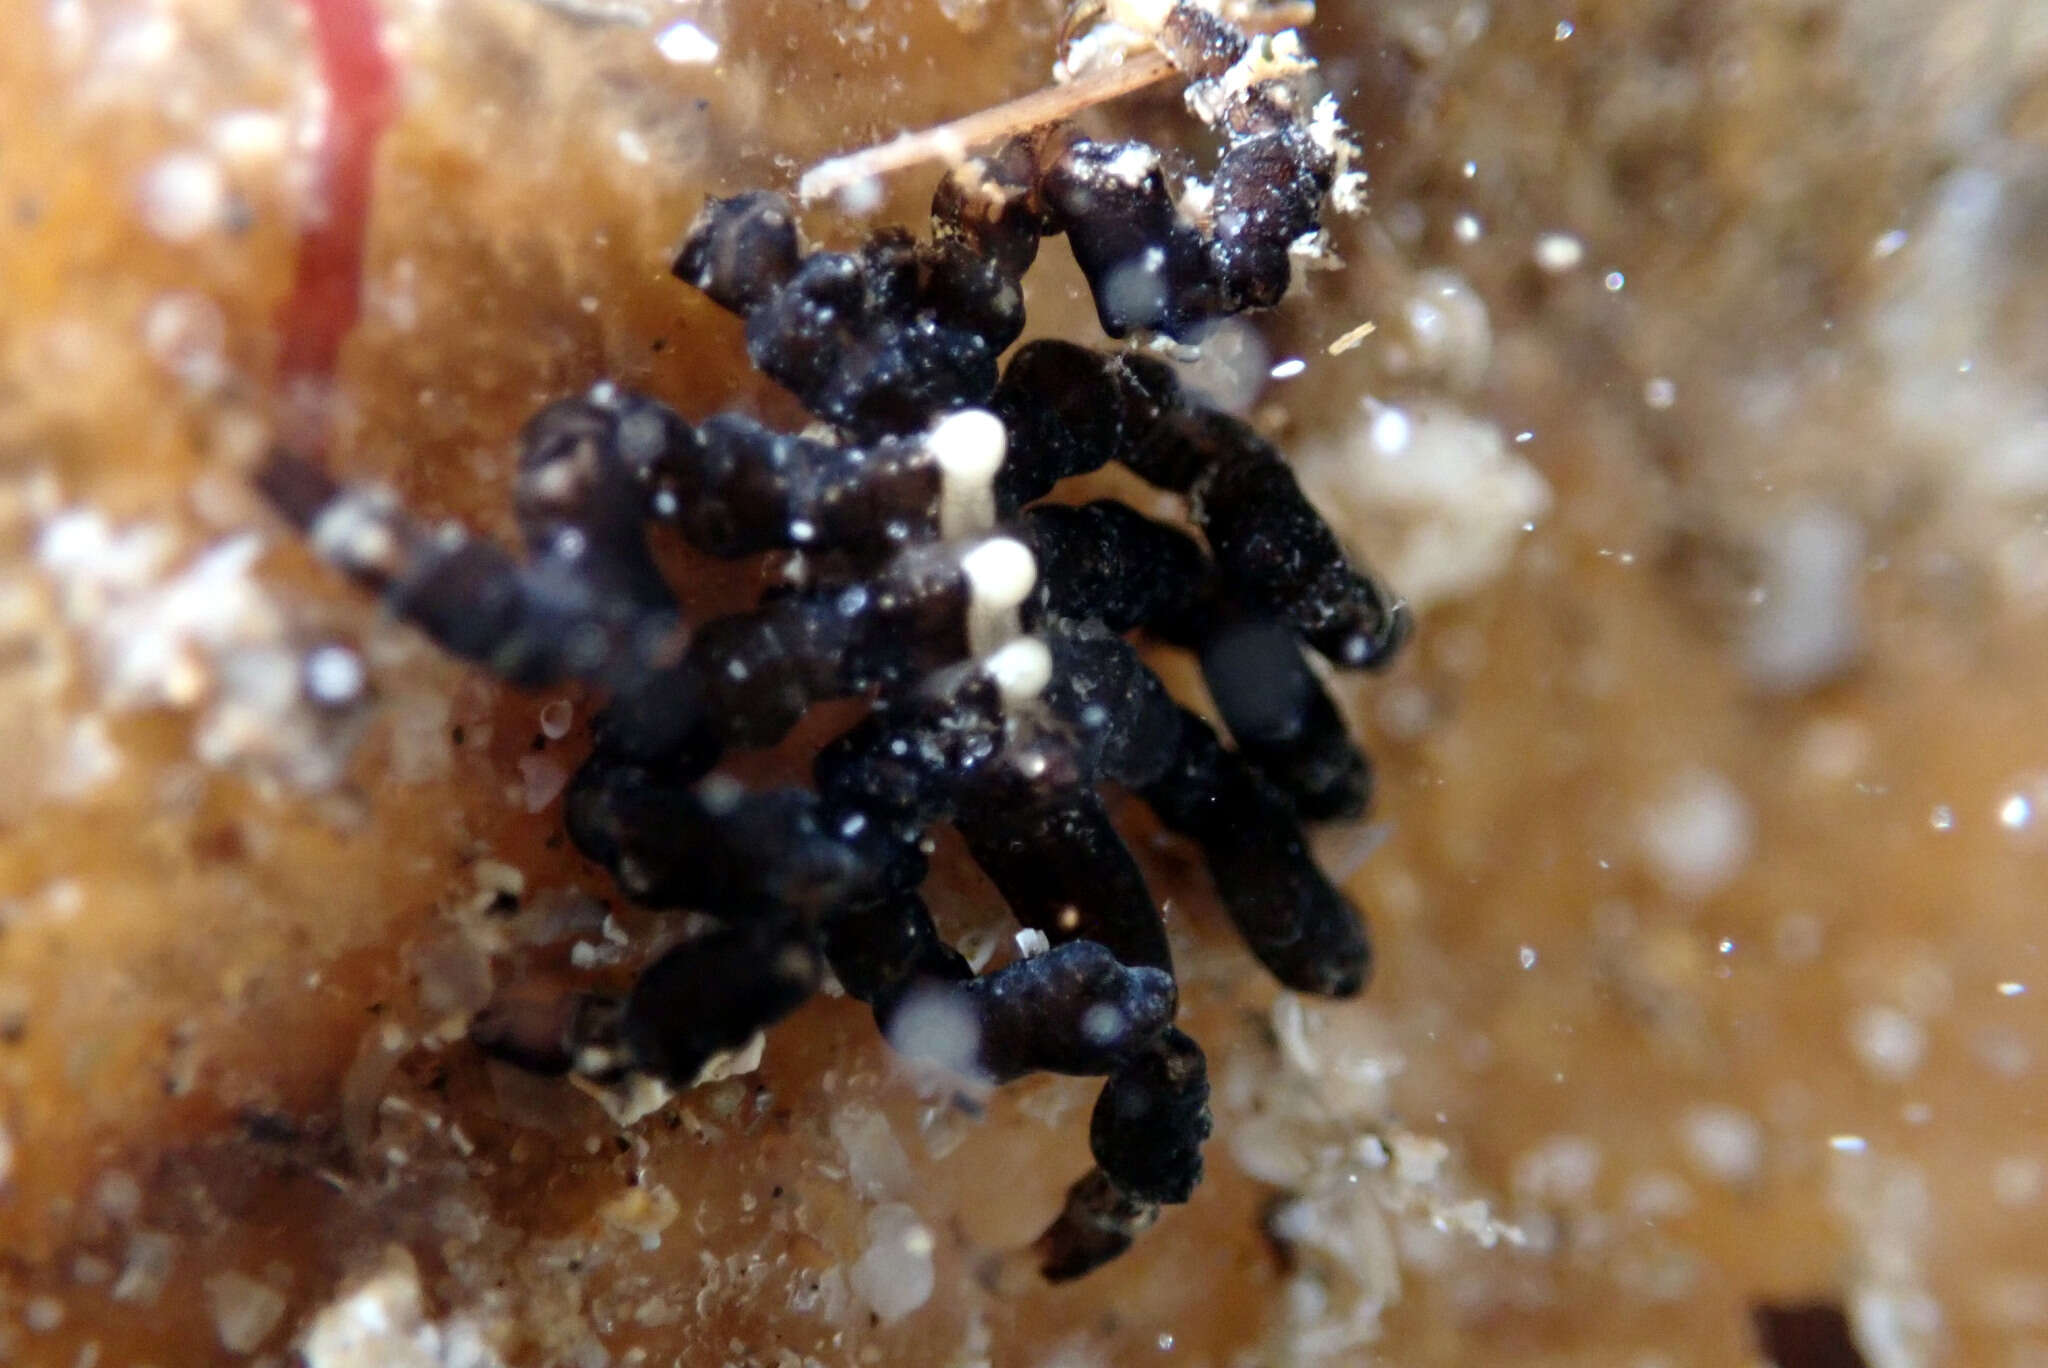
(880, 947)
(741, 249)
(1150, 1122)
(710, 845)
(1054, 855)
(1071, 1010)
(1284, 723)
(1106, 562)
(1304, 931)
(1098, 1223)
(712, 994)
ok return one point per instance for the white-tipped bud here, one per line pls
(1021, 670)
(1001, 572)
(1000, 575)
(968, 447)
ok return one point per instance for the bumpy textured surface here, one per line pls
(1705, 930)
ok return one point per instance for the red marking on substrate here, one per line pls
(327, 282)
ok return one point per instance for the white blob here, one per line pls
(1890, 1043)
(687, 45)
(1021, 669)
(1724, 1143)
(183, 195)
(1807, 627)
(968, 447)
(894, 1274)
(1559, 252)
(1000, 575)
(1697, 835)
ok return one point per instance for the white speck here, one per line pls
(894, 1274)
(556, 718)
(1165, 1342)
(2010, 989)
(1807, 625)
(1848, 1144)
(1697, 834)
(1391, 430)
(687, 45)
(245, 1311)
(633, 147)
(1466, 228)
(1102, 1023)
(1563, 30)
(1724, 1143)
(1526, 957)
(250, 135)
(1558, 1171)
(802, 531)
(1888, 243)
(1471, 169)
(2016, 1181)
(184, 332)
(1942, 818)
(1559, 252)
(1032, 942)
(875, 1160)
(1288, 369)
(1890, 1043)
(2015, 812)
(1660, 393)
(183, 195)
(1614, 280)
(859, 197)
(334, 675)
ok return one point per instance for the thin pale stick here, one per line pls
(949, 141)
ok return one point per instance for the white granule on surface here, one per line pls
(245, 1311)
(1557, 253)
(196, 633)
(1807, 625)
(1723, 1143)
(1696, 835)
(876, 1163)
(1558, 1171)
(183, 195)
(1889, 1042)
(380, 1322)
(687, 45)
(1438, 495)
(894, 1274)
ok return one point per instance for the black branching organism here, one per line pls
(989, 632)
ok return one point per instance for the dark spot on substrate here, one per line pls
(1808, 1334)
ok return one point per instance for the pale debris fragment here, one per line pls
(245, 1311)
(380, 1322)
(1697, 833)
(1314, 1119)
(206, 636)
(875, 1160)
(643, 1212)
(1437, 493)
(894, 1275)
(1353, 338)
(1885, 1205)
(1807, 625)
(1724, 1143)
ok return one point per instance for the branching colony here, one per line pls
(988, 629)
